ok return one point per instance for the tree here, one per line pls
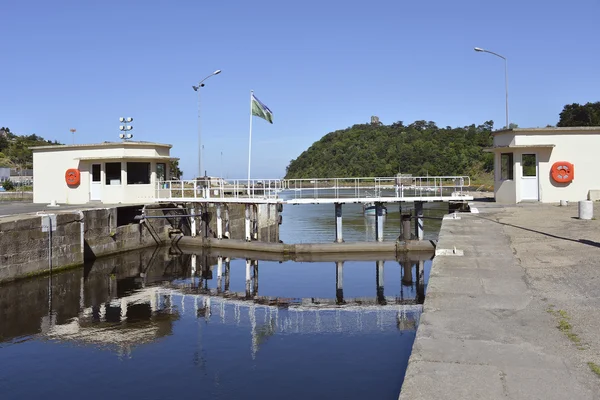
(176, 173)
(580, 115)
(8, 185)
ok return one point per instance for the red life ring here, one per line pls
(562, 172)
(72, 177)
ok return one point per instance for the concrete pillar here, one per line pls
(219, 222)
(420, 285)
(193, 262)
(419, 220)
(219, 272)
(339, 282)
(405, 218)
(255, 221)
(338, 223)
(248, 277)
(407, 277)
(379, 221)
(193, 221)
(247, 224)
(379, 279)
(227, 273)
(123, 309)
(255, 278)
(227, 235)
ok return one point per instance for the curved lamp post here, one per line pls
(197, 89)
(505, 76)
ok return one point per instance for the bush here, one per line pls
(8, 185)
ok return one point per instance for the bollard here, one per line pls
(564, 203)
(586, 209)
(405, 226)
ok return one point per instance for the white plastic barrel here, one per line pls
(586, 209)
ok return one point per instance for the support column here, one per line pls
(255, 222)
(338, 223)
(405, 218)
(219, 222)
(227, 273)
(255, 278)
(379, 279)
(379, 221)
(247, 223)
(339, 282)
(420, 285)
(407, 276)
(419, 220)
(248, 277)
(193, 221)
(219, 272)
(227, 235)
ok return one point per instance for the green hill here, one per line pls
(420, 148)
(14, 149)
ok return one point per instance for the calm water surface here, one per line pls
(160, 324)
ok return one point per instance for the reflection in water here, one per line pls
(211, 308)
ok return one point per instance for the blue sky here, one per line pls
(320, 66)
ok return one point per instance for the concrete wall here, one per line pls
(576, 147)
(51, 163)
(79, 236)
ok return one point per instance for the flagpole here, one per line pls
(250, 142)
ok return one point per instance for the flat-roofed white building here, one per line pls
(546, 164)
(111, 172)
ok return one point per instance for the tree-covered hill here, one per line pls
(14, 149)
(420, 148)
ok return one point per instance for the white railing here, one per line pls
(219, 189)
(320, 188)
(393, 187)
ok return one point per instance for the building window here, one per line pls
(529, 167)
(506, 166)
(113, 173)
(161, 171)
(138, 173)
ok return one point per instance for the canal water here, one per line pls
(161, 323)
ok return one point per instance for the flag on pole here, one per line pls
(261, 110)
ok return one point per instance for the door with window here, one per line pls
(529, 177)
(95, 183)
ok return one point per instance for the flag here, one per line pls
(261, 110)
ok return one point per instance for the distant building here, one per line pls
(375, 120)
(4, 174)
(535, 164)
(111, 172)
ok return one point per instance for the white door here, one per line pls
(529, 177)
(95, 183)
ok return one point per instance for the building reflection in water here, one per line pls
(129, 300)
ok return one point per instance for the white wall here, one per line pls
(51, 164)
(580, 149)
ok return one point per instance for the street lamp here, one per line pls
(505, 77)
(197, 89)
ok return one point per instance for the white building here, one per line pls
(524, 160)
(111, 172)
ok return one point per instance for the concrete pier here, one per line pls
(500, 284)
(338, 223)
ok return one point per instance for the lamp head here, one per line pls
(217, 72)
(478, 49)
(195, 88)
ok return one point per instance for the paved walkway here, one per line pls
(490, 327)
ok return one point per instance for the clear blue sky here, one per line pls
(319, 65)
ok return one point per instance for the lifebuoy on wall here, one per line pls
(72, 177)
(562, 172)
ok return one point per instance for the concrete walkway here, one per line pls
(490, 327)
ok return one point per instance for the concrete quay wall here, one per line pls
(489, 328)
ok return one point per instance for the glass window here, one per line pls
(161, 171)
(95, 172)
(529, 167)
(506, 166)
(113, 173)
(138, 173)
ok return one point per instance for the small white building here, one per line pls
(111, 172)
(526, 159)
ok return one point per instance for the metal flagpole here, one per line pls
(250, 142)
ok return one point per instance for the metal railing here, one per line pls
(219, 189)
(391, 187)
(320, 188)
